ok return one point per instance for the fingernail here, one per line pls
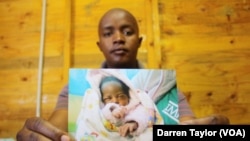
(65, 138)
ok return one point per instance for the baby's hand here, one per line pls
(119, 112)
(127, 128)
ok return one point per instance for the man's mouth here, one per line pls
(119, 51)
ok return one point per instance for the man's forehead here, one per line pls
(124, 19)
(121, 18)
(120, 24)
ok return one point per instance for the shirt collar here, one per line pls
(139, 65)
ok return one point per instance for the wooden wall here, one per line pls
(206, 41)
(19, 54)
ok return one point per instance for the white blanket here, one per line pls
(91, 124)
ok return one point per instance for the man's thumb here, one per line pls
(65, 138)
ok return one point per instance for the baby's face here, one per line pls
(113, 93)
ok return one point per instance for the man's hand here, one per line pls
(209, 120)
(37, 129)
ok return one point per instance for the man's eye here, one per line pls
(107, 34)
(128, 33)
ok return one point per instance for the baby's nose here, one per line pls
(115, 100)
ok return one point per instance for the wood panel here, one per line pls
(207, 43)
(19, 53)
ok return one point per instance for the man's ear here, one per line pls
(98, 44)
(140, 41)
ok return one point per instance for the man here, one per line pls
(119, 42)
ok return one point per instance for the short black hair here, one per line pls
(124, 87)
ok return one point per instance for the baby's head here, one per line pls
(113, 90)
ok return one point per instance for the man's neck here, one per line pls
(136, 66)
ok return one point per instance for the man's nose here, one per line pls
(118, 38)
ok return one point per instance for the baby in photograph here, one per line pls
(112, 109)
(115, 96)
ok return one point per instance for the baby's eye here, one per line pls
(107, 99)
(122, 96)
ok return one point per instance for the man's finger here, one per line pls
(200, 121)
(26, 135)
(65, 138)
(45, 128)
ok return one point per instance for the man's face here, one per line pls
(119, 40)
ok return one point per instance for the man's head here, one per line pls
(119, 38)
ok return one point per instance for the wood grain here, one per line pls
(206, 41)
